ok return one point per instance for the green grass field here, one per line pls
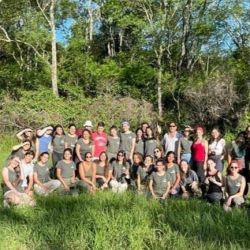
(120, 221)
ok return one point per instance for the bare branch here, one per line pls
(43, 11)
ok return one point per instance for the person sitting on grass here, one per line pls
(143, 174)
(102, 171)
(12, 180)
(234, 187)
(87, 174)
(159, 182)
(174, 172)
(137, 162)
(65, 171)
(120, 173)
(214, 182)
(21, 149)
(189, 181)
(43, 183)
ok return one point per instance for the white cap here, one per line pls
(88, 124)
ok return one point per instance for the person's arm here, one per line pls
(16, 147)
(132, 149)
(206, 154)
(177, 181)
(37, 181)
(30, 185)
(78, 152)
(179, 152)
(164, 196)
(41, 132)
(6, 180)
(94, 174)
(60, 178)
(93, 150)
(19, 135)
(66, 144)
(218, 183)
(138, 182)
(82, 175)
(151, 189)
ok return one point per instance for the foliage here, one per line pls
(40, 108)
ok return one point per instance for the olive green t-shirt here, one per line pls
(42, 172)
(172, 173)
(139, 147)
(100, 170)
(150, 145)
(113, 145)
(160, 182)
(84, 148)
(71, 141)
(118, 169)
(58, 143)
(67, 169)
(126, 141)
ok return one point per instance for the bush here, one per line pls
(39, 108)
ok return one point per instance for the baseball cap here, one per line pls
(88, 124)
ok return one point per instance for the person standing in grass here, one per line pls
(71, 138)
(216, 148)
(159, 182)
(43, 183)
(234, 187)
(128, 139)
(87, 174)
(58, 143)
(100, 140)
(84, 145)
(173, 171)
(102, 171)
(214, 182)
(144, 172)
(113, 143)
(184, 146)
(12, 180)
(44, 139)
(120, 173)
(65, 171)
(139, 142)
(150, 142)
(189, 181)
(200, 155)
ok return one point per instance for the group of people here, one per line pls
(86, 159)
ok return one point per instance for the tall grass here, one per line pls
(120, 221)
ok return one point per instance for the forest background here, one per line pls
(107, 60)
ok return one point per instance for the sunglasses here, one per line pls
(121, 155)
(88, 156)
(234, 167)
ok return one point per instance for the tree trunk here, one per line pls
(159, 80)
(53, 48)
(90, 13)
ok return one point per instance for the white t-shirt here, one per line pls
(27, 169)
(217, 146)
(170, 143)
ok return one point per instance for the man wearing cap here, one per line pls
(100, 140)
(127, 140)
(86, 125)
(171, 139)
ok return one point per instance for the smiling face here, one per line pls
(100, 129)
(170, 158)
(44, 158)
(59, 131)
(234, 168)
(139, 133)
(184, 166)
(199, 132)
(215, 134)
(172, 127)
(211, 165)
(136, 159)
(67, 155)
(88, 157)
(26, 146)
(14, 162)
(86, 135)
(103, 157)
(157, 153)
(149, 132)
(159, 166)
(28, 158)
(125, 127)
(72, 130)
(148, 161)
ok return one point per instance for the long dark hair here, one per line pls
(42, 154)
(56, 127)
(211, 140)
(67, 150)
(106, 166)
(124, 158)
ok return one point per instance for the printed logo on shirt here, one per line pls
(172, 172)
(237, 184)
(164, 180)
(72, 166)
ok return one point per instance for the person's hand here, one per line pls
(205, 166)
(154, 196)
(229, 201)
(66, 188)
(50, 128)
(164, 197)
(25, 143)
(211, 179)
(173, 191)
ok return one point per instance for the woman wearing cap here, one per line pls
(12, 180)
(113, 143)
(144, 172)
(119, 172)
(184, 146)
(84, 145)
(214, 182)
(58, 143)
(216, 148)
(71, 138)
(128, 139)
(173, 171)
(234, 187)
(87, 174)
(159, 182)
(200, 155)
(189, 181)
(44, 139)
(43, 183)
(65, 171)
(102, 171)
(150, 142)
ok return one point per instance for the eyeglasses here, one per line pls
(89, 156)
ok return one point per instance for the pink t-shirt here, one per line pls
(100, 141)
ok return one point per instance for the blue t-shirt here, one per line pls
(44, 142)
